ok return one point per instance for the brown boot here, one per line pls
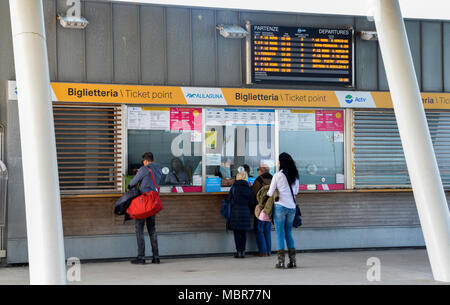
(280, 264)
(292, 260)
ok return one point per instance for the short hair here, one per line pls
(264, 168)
(242, 176)
(147, 156)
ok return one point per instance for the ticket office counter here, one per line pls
(200, 151)
(219, 141)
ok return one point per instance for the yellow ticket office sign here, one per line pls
(197, 96)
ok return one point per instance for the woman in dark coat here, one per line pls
(241, 197)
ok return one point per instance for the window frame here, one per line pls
(347, 133)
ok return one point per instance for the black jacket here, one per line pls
(242, 202)
(121, 205)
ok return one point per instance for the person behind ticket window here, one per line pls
(286, 181)
(225, 169)
(247, 169)
(177, 176)
(144, 179)
(241, 198)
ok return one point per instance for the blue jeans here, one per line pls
(283, 219)
(262, 235)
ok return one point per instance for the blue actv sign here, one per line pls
(350, 99)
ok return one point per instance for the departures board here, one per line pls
(301, 55)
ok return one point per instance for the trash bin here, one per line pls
(3, 190)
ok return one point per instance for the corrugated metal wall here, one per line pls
(378, 158)
(148, 44)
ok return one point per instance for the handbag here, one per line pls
(260, 214)
(145, 205)
(263, 216)
(226, 208)
(297, 218)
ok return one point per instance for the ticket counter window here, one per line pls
(315, 140)
(173, 135)
(236, 140)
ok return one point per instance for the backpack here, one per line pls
(145, 205)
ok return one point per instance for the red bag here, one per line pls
(145, 205)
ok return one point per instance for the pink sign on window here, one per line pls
(330, 120)
(187, 119)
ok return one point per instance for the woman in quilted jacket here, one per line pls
(241, 198)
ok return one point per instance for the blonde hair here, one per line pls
(242, 176)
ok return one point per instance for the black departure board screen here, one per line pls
(301, 55)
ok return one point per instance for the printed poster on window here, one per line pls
(227, 117)
(330, 120)
(187, 119)
(148, 118)
(297, 120)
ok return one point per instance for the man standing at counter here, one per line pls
(145, 181)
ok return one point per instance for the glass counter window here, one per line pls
(318, 148)
(173, 135)
(236, 140)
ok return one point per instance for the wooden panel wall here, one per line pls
(190, 213)
(181, 213)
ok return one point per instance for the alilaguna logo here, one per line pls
(205, 95)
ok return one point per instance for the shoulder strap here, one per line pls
(233, 191)
(290, 187)
(176, 176)
(293, 197)
(153, 178)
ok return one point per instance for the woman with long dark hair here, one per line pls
(286, 182)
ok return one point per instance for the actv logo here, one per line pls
(350, 99)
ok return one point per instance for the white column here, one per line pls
(419, 153)
(40, 171)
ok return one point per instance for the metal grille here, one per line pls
(89, 148)
(378, 159)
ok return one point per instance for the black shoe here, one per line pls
(155, 261)
(237, 254)
(138, 261)
(242, 254)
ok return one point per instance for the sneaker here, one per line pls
(138, 261)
